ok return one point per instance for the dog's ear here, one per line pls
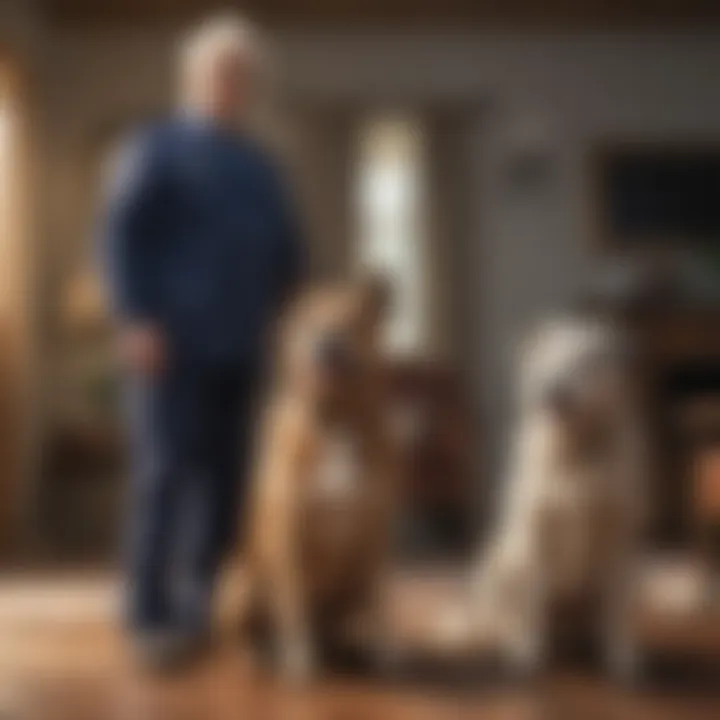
(376, 293)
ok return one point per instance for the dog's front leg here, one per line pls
(526, 626)
(287, 593)
(523, 593)
(295, 645)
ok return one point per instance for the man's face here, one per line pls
(228, 86)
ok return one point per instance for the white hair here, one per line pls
(227, 34)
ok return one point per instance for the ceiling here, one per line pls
(560, 14)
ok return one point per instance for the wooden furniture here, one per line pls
(706, 505)
(658, 215)
(706, 485)
(701, 428)
(82, 501)
(437, 453)
(83, 464)
(679, 353)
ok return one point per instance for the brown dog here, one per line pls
(324, 494)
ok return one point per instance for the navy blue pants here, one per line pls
(191, 431)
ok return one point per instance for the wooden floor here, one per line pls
(62, 658)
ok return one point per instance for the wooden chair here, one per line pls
(437, 452)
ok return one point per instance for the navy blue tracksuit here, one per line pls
(200, 241)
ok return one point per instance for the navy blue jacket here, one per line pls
(200, 239)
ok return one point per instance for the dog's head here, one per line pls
(330, 340)
(576, 372)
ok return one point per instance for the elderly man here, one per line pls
(201, 250)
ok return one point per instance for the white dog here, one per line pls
(574, 503)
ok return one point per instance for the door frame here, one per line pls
(19, 449)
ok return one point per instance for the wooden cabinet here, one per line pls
(679, 353)
(706, 485)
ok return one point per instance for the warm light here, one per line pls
(6, 200)
(391, 221)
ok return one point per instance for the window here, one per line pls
(390, 195)
(7, 201)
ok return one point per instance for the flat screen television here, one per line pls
(661, 196)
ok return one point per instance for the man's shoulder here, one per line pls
(153, 146)
(134, 155)
(142, 143)
(156, 135)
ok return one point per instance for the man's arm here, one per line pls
(133, 214)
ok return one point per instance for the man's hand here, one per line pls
(143, 348)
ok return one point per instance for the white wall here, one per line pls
(528, 251)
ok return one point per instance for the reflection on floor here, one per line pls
(62, 658)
